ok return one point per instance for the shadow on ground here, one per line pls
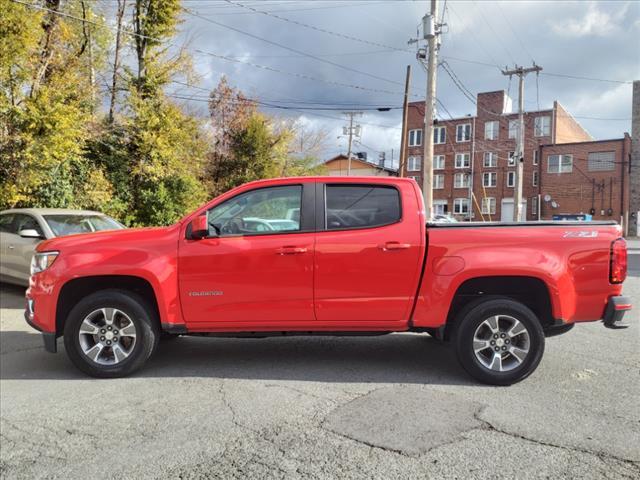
(11, 296)
(396, 358)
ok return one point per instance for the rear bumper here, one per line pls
(615, 310)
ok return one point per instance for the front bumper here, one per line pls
(49, 338)
(615, 310)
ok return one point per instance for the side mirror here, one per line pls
(29, 233)
(199, 227)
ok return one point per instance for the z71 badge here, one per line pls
(581, 234)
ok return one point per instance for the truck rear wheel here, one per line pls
(110, 334)
(499, 341)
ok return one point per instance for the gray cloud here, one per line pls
(584, 39)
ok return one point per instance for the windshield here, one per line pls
(62, 225)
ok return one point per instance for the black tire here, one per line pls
(147, 332)
(471, 317)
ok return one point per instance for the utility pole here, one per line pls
(521, 72)
(405, 115)
(428, 57)
(351, 131)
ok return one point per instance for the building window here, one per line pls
(414, 163)
(416, 178)
(542, 126)
(534, 181)
(438, 162)
(512, 159)
(491, 130)
(601, 161)
(415, 138)
(439, 135)
(534, 205)
(438, 181)
(514, 126)
(463, 132)
(463, 160)
(461, 206)
(489, 179)
(490, 159)
(535, 157)
(489, 205)
(560, 163)
(461, 180)
(511, 179)
(440, 207)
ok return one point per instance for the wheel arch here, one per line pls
(531, 291)
(76, 289)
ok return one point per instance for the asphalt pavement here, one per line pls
(395, 406)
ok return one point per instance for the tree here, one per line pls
(46, 109)
(250, 145)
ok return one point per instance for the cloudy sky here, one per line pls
(348, 54)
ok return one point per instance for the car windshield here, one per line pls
(62, 225)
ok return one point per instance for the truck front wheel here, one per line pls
(110, 334)
(499, 341)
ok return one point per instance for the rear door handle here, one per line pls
(11, 247)
(291, 250)
(390, 246)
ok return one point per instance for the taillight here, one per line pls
(618, 269)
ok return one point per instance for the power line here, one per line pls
(300, 52)
(494, 32)
(515, 34)
(218, 56)
(313, 27)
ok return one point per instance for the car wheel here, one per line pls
(499, 341)
(110, 334)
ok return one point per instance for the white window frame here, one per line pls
(411, 163)
(542, 126)
(491, 130)
(416, 178)
(534, 179)
(465, 180)
(492, 178)
(438, 181)
(439, 135)
(511, 179)
(439, 162)
(466, 163)
(458, 204)
(535, 157)
(415, 137)
(534, 206)
(514, 126)
(511, 160)
(491, 202)
(444, 204)
(493, 160)
(463, 127)
(567, 168)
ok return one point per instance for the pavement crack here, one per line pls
(602, 456)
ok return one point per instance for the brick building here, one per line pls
(474, 167)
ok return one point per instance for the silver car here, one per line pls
(23, 228)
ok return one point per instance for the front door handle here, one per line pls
(291, 250)
(391, 246)
(11, 247)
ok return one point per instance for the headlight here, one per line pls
(42, 261)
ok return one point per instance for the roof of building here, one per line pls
(342, 156)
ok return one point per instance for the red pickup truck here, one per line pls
(327, 256)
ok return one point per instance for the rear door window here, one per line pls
(361, 206)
